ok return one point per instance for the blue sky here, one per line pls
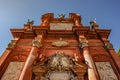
(15, 13)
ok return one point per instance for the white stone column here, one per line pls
(88, 59)
(31, 57)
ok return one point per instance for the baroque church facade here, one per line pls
(60, 49)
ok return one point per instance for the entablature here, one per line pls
(60, 26)
(81, 30)
(61, 20)
(103, 33)
(91, 34)
(17, 32)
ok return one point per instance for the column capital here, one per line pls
(12, 44)
(37, 42)
(108, 45)
(83, 42)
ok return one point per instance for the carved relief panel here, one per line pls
(61, 26)
(105, 71)
(13, 71)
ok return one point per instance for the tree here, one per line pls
(119, 52)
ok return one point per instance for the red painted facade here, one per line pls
(59, 35)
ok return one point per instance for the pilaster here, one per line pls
(88, 59)
(5, 55)
(114, 56)
(32, 55)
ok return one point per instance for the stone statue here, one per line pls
(93, 22)
(29, 23)
(61, 15)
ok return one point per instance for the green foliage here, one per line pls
(119, 52)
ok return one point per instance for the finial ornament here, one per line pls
(92, 22)
(61, 15)
(29, 23)
(95, 20)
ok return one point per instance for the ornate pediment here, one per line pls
(60, 67)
